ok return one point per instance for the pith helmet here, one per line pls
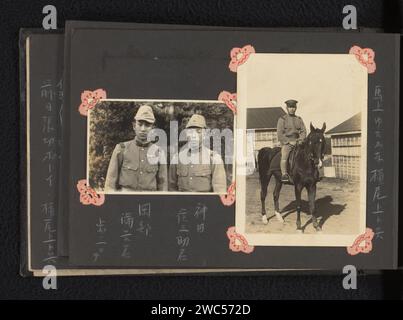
(196, 121)
(145, 113)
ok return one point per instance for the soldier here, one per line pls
(197, 168)
(290, 131)
(138, 164)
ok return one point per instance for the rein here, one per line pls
(303, 146)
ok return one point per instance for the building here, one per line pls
(264, 123)
(261, 127)
(346, 148)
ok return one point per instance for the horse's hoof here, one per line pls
(300, 231)
(318, 230)
(317, 227)
(264, 219)
(279, 216)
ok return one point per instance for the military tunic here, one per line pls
(290, 128)
(143, 168)
(198, 177)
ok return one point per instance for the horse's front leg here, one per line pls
(311, 198)
(264, 183)
(276, 196)
(298, 190)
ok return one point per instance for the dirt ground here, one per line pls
(337, 207)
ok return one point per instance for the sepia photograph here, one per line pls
(160, 146)
(305, 116)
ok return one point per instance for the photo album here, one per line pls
(173, 149)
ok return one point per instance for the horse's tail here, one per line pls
(264, 157)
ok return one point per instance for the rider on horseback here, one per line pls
(290, 131)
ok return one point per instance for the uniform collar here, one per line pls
(141, 144)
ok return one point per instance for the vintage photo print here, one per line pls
(160, 146)
(305, 119)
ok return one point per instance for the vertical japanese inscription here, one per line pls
(51, 94)
(189, 221)
(377, 171)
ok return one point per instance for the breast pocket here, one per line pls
(129, 176)
(202, 171)
(130, 164)
(152, 159)
(152, 168)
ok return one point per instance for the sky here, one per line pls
(328, 87)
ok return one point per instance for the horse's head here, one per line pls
(316, 145)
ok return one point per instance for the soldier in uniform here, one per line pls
(138, 164)
(197, 168)
(290, 131)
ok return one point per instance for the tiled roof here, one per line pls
(352, 124)
(259, 118)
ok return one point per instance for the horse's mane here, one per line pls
(302, 146)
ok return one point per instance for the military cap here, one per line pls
(291, 103)
(145, 113)
(197, 120)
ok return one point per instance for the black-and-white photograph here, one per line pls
(305, 116)
(160, 146)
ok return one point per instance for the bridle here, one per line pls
(311, 155)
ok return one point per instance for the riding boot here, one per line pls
(284, 175)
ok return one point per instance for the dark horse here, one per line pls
(305, 159)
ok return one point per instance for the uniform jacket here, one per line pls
(143, 168)
(290, 128)
(206, 176)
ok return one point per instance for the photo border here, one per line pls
(298, 239)
(161, 192)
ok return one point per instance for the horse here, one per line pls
(304, 161)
